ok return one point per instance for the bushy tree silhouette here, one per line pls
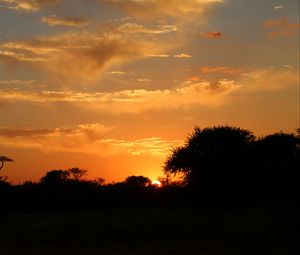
(137, 181)
(55, 177)
(212, 158)
(277, 165)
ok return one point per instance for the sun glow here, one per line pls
(156, 183)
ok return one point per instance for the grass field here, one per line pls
(153, 230)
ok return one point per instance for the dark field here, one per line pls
(153, 230)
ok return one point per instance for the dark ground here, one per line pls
(153, 230)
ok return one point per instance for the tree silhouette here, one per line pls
(137, 181)
(55, 177)
(277, 164)
(4, 159)
(76, 173)
(210, 151)
(214, 161)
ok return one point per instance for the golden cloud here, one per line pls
(85, 138)
(133, 101)
(220, 69)
(136, 28)
(153, 9)
(182, 55)
(278, 7)
(80, 56)
(67, 21)
(194, 91)
(27, 5)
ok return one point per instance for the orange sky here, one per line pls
(113, 86)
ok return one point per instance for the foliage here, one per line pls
(138, 181)
(208, 151)
(76, 173)
(228, 163)
(55, 177)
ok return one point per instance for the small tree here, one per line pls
(99, 181)
(76, 173)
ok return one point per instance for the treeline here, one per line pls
(67, 189)
(222, 165)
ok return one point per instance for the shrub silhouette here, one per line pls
(55, 177)
(137, 181)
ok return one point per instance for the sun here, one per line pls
(156, 183)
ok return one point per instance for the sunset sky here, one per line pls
(112, 85)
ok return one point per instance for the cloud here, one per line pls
(133, 101)
(24, 85)
(143, 80)
(85, 138)
(67, 21)
(220, 70)
(213, 35)
(281, 27)
(118, 73)
(158, 55)
(269, 80)
(27, 5)
(83, 57)
(154, 9)
(182, 55)
(62, 138)
(275, 23)
(278, 7)
(17, 82)
(193, 92)
(133, 28)
(80, 56)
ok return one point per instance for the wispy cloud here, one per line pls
(194, 91)
(221, 69)
(182, 55)
(66, 21)
(17, 82)
(134, 101)
(281, 27)
(269, 80)
(85, 138)
(153, 9)
(27, 5)
(278, 7)
(118, 73)
(154, 29)
(80, 56)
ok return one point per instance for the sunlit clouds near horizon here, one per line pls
(112, 86)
